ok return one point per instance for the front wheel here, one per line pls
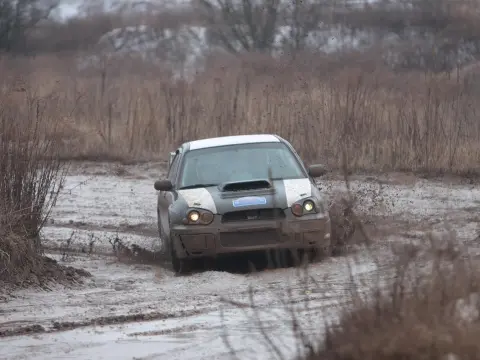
(180, 266)
(165, 239)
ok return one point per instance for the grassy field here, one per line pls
(383, 121)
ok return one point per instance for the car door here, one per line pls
(166, 198)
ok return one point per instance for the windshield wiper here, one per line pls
(195, 186)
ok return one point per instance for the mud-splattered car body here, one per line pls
(239, 194)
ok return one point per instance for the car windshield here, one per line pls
(211, 166)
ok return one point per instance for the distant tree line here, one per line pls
(437, 35)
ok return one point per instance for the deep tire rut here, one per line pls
(58, 326)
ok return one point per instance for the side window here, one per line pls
(173, 168)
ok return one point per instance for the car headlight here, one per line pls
(198, 216)
(307, 206)
(193, 216)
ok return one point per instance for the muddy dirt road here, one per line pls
(135, 311)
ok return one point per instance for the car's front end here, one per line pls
(283, 214)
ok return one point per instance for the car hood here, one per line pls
(283, 194)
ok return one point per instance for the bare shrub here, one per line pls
(31, 176)
(430, 311)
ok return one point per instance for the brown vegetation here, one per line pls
(429, 311)
(383, 120)
(31, 176)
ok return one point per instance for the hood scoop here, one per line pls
(260, 184)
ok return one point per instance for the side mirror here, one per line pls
(317, 170)
(163, 185)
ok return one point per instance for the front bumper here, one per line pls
(308, 232)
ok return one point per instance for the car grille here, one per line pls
(251, 238)
(257, 214)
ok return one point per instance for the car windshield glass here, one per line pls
(239, 163)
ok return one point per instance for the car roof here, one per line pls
(232, 140)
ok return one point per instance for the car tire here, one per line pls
(165, 238)
(165, 250)
(161, 234)
(180, 266)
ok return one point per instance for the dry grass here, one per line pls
(30, 179)
(384, 121)
(430, 311)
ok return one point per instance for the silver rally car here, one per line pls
(239, 194)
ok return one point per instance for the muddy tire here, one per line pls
(165, 239)
(180, 266)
